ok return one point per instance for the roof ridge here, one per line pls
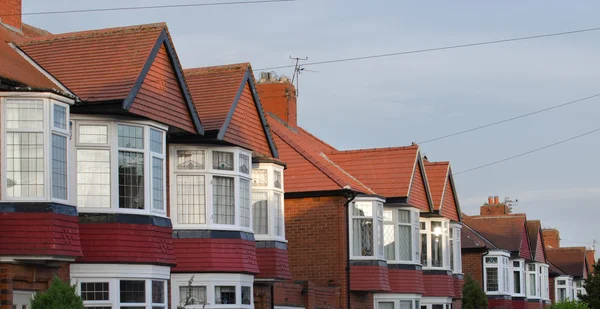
(92, 33)
(427, 162)
(217, 68)
(569, 248)
(379, 149)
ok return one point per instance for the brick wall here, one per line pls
(27, 277)
(472, 265)
(279, 99)
(10, 13)
(551, 238)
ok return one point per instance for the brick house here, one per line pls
(571, 264)
(382, 226)
(505, 253)
(111, 180)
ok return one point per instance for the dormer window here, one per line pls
(268, 202)
(35, 148)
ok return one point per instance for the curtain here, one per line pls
(405, 304)
(223, 200)
(260, 213)
(385, 305)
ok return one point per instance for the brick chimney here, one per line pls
(10, 13)
(494, 207)
(278, 96)
(551, 238)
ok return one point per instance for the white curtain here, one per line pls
(260, 213)
(223, 200)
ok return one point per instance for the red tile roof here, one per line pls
(387, 171)
(505, 232)
(309, 168)
(97, 65)
(437, 175)
(535, 239)
(214, 90)
(470, 239)
(571, 260)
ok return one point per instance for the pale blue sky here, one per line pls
(397, 100)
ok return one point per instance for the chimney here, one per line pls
(278, 96)
(496, 200)
(10, 13)
(551, 238)
(490, 200)
(493, 207)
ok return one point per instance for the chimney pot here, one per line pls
(490, 200)
(496, 200)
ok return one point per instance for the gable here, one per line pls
(525, 251)
(449, 209)
(539, 249)
(245, 127)
(160, 96)
(417, 195)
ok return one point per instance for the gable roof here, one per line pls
(470, 239)
(536, 242)
(308, 168)
(571, 260)
(217, 90)
(505, 232)
(443, 191)
(107, 65)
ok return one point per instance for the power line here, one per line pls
(130, 8)
(508, 119)
(439, 48)
(528, 152)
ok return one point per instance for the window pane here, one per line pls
(424, 249)
(60, 117)
(362, 209)
(403, 216)
(259, 178)
(133, 291)
(245, 202)
(260, 215)
(516, 264)
(278, 214)
(24, 114)
(437, 259)
(517, 282)
(438, 306)
(531, 267)
(93, 178)
(532, 287)
(157, 184)
(25, 164)
(223, 160)
(223, 200)
(94, 291)
(93, 134)
(404, 242)
(195, 295)
(492, 279)
(362, 234)
(491, 260)
(277, 179)
(385, 305)
(156, 141)
(244, 164)
(225, 294)
(451, 251)
(405, 304)
(191, 205)
(246, 295)
(131, 137)
(131, 180)
(562, 294)
(389, 241)
(190, 159)
(416, 238)
(158, 292)
(59, 166)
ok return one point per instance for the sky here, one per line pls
(411, 98)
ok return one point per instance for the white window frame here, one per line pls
(113, 274)
(537, 276)
(522, 276)
(113, 146)
(270, 190)
(502, 269)
(579, 289)
(377, 241)
(456, 229)
(544, 281)
(396, 298)
(210, 281)
(208, 172)
(162, 156)
(48, 101)
(415, 237)
(428, 302)
(567, 286)
(445, 234)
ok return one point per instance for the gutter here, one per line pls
(350, 196)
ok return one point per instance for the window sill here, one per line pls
(269, 238)
(211, 227)
(121, 211)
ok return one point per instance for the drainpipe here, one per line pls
(273, 295)
(350, 196)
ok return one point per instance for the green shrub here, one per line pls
(569, 305)
(473, 295)
(60, 295)
(592, 289)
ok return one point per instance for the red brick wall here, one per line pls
(10, 13)
(535, 305)
(27, 277)
(279, 99)
(551, 238)
(495, 209)
(500, 304)
(457, 304)
(519, 304)
(551, 288)
(472, 265)
(305, 294)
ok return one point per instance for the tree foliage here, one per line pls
(60, 295)
(473, 295)
(569, 305)
(592, 288)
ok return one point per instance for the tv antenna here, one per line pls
(297, 70)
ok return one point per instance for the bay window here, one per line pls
(401, 235)
(366, 219)
(455, 248)
(563, 289)
(212, 290)
(579, 289)
(268, 202)
(210, 188)
(537, 280)
(436, 303)
(120, 165)
(544, 281)
(435, 243)
(495, 274)
(518, 277)
(35, 148)
(396, 301)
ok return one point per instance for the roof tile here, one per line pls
(571, 260)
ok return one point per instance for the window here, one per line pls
(260, 178)
(455, 249)
(225, 294)
(223, 200)
(435, 243)
(260, 212)
(400, 226)
(246, 295)
(133, 291)
(93, 167)
(267, 202)
(131, 167)
(26, 166)
(191, 203)
(517, 277)
(95, 291)
(532, 280)
(563, 288)
(244, 164)
(544, 282)
(245, 202)
(278, 214)
(396, 301)
(195, 295)
(496, 273)
(367, 229)
(158, 174)
(277, 179)
(158, 294)
(223, 160)
(579, 289)
(190, 159)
